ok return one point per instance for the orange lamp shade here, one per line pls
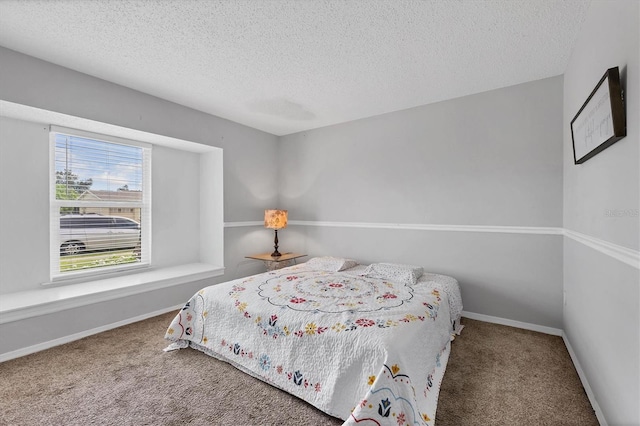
(275, 219)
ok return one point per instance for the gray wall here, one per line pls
(250, 182)
(487, 159)
(492, 159)
(601, 318)
(24, 209)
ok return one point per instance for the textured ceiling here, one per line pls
(288, 66)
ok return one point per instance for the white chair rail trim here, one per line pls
(623, 254)
(413, 226)
(434, 227)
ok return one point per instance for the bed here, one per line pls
(367, 344)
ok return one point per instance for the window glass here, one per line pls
(100, 204)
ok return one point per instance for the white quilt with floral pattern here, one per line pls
(365, 350)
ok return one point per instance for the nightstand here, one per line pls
(273, 263)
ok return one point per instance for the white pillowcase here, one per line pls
(407, 274)
(330, 264)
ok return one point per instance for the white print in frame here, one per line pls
(601, 121)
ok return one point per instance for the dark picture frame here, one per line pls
(601, 121)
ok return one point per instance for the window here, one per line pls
(100, 203)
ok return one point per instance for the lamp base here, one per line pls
(276, 254)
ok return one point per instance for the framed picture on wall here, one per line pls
(601, 121)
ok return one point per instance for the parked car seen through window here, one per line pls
(94, 232)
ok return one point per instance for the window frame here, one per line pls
(145, 206)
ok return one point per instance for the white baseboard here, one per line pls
(77, 336)
(585, 382)
(513, 323)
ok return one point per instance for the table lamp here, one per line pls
(275, 219)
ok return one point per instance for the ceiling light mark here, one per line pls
(283, 108)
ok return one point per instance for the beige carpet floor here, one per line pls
(496, 375)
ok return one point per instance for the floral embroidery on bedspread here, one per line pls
(388, 401)
(269, 368)
(365, 296)
(332, 292)
(186, 315)
(271, 328)
(431, 381)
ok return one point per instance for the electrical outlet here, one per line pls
(564, 298)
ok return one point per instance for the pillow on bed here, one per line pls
(330, 264)
(407, 274)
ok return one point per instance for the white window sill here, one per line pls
(27, 304)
